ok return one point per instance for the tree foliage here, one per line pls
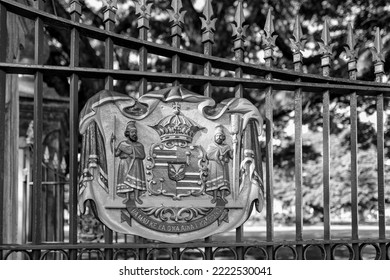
(365, 15)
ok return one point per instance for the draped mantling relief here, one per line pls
(172, 165)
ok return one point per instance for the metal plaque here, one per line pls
(172, 165)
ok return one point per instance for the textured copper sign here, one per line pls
(171, 166)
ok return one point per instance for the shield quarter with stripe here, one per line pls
(176, 172)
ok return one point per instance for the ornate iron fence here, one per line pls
(265, 79)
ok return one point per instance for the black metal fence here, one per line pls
(265, 79)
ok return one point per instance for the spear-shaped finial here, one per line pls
(110, 5)
(350, 47)
(298, 43)
(208, 23)
(269, 29)
(109, 8)
(176, 14)
(325, 46)
(55, 161)
(351, 37)
(46, 155)
(377, 50)
(352, 52)
(325, 36)
(63, 165)
(378, 56)
(378, 40)
(297, 33)
(142, 10)
(239, 30)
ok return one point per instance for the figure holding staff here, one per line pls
(131, 176)
(218, 154)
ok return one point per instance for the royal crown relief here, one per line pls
(171, 166)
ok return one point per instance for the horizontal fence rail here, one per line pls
(260, 84)
(167, 51)
(265, 79)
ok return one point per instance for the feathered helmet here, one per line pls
(131, 126)
(219, 130)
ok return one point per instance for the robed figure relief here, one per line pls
(131, 176)
(218, 154)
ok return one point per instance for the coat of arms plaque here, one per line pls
(172, 165)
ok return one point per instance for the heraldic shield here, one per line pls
(172, 165)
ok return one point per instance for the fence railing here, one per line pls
(264, 79)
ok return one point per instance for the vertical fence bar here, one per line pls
(45, 188)
(109, 24)
(352, 70)
(208, 29)
(381, 171)
(61, 186)
(3, 79)
(239, 31)
(269, 39)
(378, 58)
(38, 128)
(143, 25)
(58, 217)
(75, 13)
(326, 50)
(143, 12)
(298, 46)
(177, 18)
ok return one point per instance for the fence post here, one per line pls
(109, 24)
(352, 54)
(378, 59)
(326, 51)
(269, 40)
(239, 31)
(208, 29)
(298, 45)
(143, 12)
(75, 13)
(176, 14)
(38, 128)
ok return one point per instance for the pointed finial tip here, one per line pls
(378, 41)
(325, 36)
(269, 23)
(297, 33)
